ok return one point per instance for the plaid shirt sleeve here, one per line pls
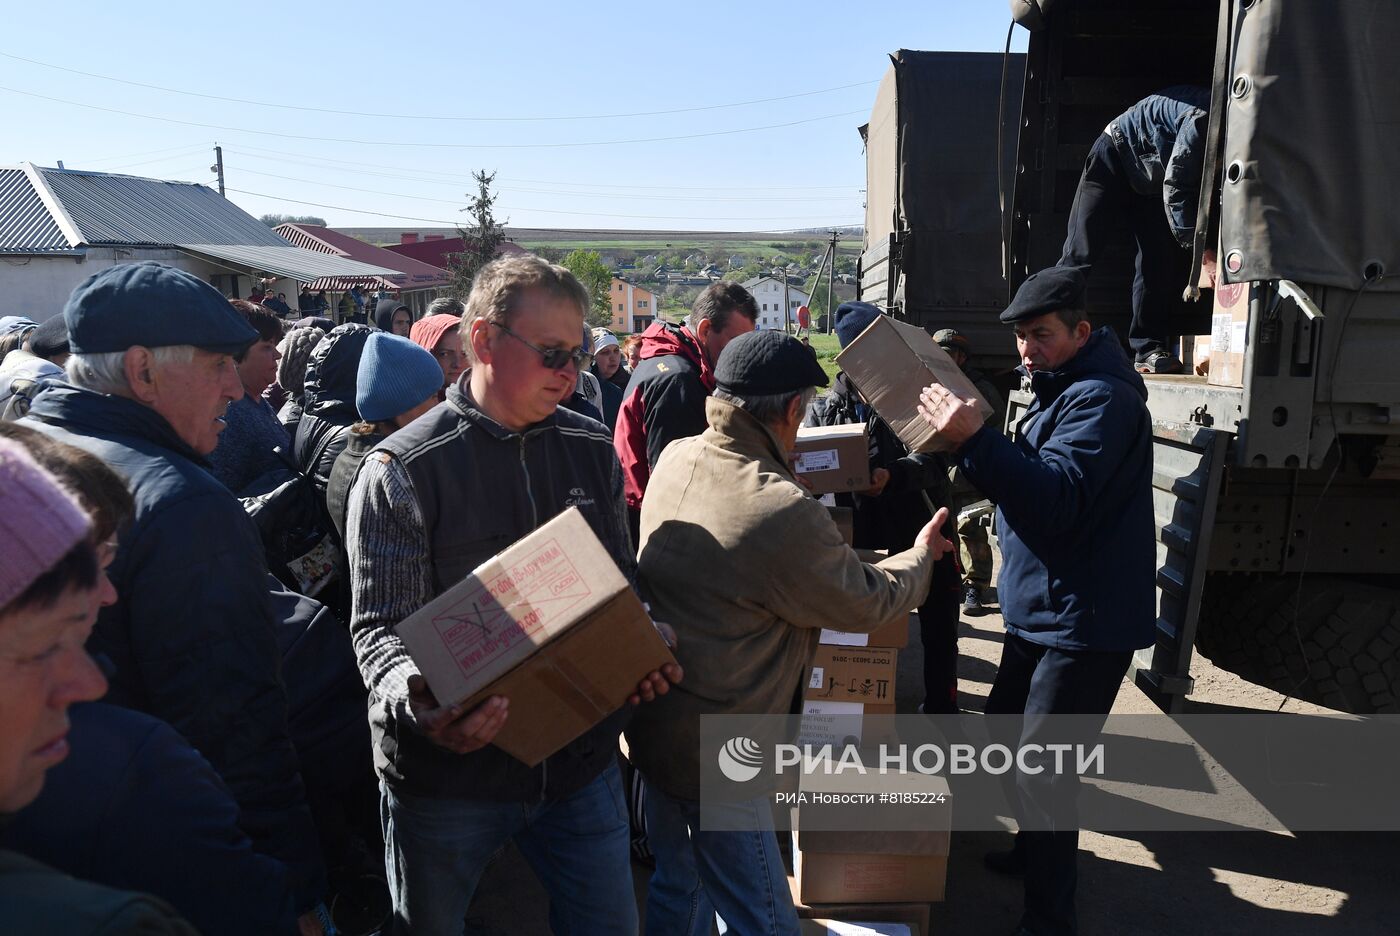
(387, 545)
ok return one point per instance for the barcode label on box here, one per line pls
(818, 678)
(820, 460)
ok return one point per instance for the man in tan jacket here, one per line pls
(748, 568)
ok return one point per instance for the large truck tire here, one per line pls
(1263, 629)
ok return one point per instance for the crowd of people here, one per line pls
(215, 519)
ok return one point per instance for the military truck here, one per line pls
(1277, 474)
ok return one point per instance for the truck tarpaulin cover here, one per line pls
(1315, 140)
(940, 116)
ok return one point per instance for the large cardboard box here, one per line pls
(1229, 328)
(914, 914)
(874, 866)
(893, 633)
(551, 624)
(854, 927)
(833, 459)
(891, 362)
(852, 674)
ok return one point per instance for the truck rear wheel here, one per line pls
(1337, 643)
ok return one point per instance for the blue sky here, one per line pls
(356, 83)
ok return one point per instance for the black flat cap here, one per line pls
(1056, 287)
(50, 339)
(767, 362)
(155, 306)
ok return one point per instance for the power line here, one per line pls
(493, 146)
(439, 117)
(748, 199)
(168, 149)
(319, 163)
(381, 214)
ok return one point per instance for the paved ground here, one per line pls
(1145, 884)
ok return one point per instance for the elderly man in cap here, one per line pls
(748, 568)
(191, 637)
(975, 551)
(1078, 545)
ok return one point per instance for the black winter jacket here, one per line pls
(136, 808)
(480, 487)
(192, 636)
(329, 402)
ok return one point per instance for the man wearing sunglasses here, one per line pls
(492, 462)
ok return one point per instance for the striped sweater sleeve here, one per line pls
(389, 576)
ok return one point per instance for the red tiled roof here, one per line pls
(414, 273)
(437, 251)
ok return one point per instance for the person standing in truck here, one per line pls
(1078, 545)
(1143, 179)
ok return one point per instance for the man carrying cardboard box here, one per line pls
(430, 504)
(890, 513)
(748, 568)
(1078, 546)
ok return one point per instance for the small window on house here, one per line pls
(622, 307)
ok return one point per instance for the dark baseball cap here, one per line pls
(767, 362)
(155, 306)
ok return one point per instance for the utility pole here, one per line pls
(831, 282)
(787, 306)
(218, 167)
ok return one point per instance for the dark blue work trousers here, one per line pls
(1037, 680)
(1106, 210)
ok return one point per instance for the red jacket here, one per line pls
(664, 401)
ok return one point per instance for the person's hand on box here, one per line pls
(952, 418)
(932, 535)
(658, 682)
(453, 727)
(878, 479)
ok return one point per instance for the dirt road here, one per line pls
(1150, 884)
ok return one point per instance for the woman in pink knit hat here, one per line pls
(440, 335)
(51, 587)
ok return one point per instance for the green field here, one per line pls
(826, 347)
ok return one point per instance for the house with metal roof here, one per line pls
(771, 294)
(416, 283)
(59, 226)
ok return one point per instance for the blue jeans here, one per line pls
(436, 849)
(740, 875)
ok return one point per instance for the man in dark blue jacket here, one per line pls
(192, 635)
(1143, 179)
(1074, 504)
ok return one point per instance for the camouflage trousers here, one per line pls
(975, 550)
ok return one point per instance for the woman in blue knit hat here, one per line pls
(398, 381)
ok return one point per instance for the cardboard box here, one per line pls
(934, 840)
(893, 633)
(837, 723)
(891, 362)
(850, 878)
(855, 928)
(852, 674)
(874, 866)
(833, 459)
(551, 624)
(1195, 354)
(913, 915)
(1228, 332)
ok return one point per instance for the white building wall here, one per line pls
(39, 286)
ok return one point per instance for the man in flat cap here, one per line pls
(191, 637)
(748, 568)
(1078, 546)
